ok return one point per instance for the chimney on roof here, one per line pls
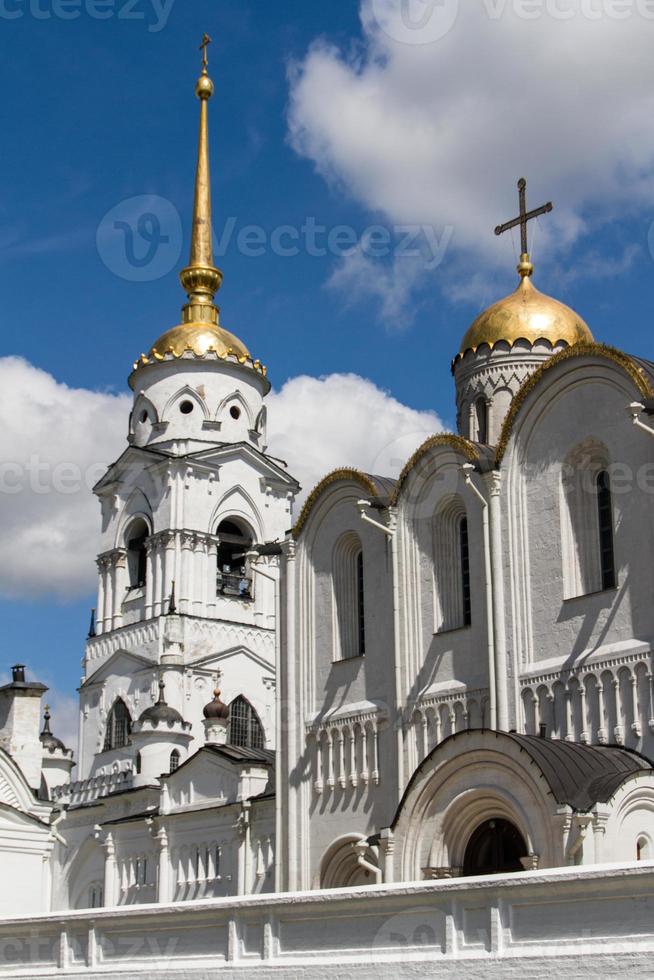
(20, 723)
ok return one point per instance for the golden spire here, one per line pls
(200, 334)
(201, 279)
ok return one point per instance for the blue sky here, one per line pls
(96, 112)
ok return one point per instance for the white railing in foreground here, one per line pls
(590, 922)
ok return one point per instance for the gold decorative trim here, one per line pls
(458, 443)
(229, 354)
(618, 357)
(510, 344)
(345, 473)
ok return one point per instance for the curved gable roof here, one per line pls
(581, 775)
(640, 372)
(374, 486)
(457, 444)
(577, 775)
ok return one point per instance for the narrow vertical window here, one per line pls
(174, 761)
(465, 571)
(348, 597)
(361, 623)
(137, 556)
(481, 420)
(605, 524)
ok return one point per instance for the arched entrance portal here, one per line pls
(495, 847)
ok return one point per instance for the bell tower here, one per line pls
(191, 515)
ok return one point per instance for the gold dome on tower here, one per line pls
(526, 314)
(200, 333)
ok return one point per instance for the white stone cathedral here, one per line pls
(430, 677)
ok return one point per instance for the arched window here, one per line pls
(587, 522)
(174, 761)
(232, 577)
(119, 726)
(137, 559)
(480, 420)
(95, 895)
(348, 574)
(605, 525)
(642, 848)
(245, 729)
(496, 847)
(465, 571)
(453, 595)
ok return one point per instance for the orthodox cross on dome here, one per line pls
(206, 41)
(523, 219)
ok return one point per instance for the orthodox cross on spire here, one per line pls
(206, 41)
(522, 220)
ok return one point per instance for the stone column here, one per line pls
(499, 622)
(119, 585)
(157, 577)
(163, 888)
(243, 849)
(212, 564)
(199, 568)
(168, 559)
(108, 594)
(150, 550)
(186, 572)
(99, 622)
(109, 871)
(387, 847)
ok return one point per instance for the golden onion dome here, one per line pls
(199, 339)
(526, 314)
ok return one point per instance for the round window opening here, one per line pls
(144, 416)
(186, 407)
(235, 412)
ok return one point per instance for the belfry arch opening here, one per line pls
(495, 847)
(137, 560)
(234, 541)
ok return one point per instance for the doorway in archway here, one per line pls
(495, 847)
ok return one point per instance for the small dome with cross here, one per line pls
(525, 314)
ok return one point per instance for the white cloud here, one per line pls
(55, 442)
(557, 91)
(54, 438)
(319, 424)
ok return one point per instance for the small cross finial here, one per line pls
(525, 267)
(206, 41)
